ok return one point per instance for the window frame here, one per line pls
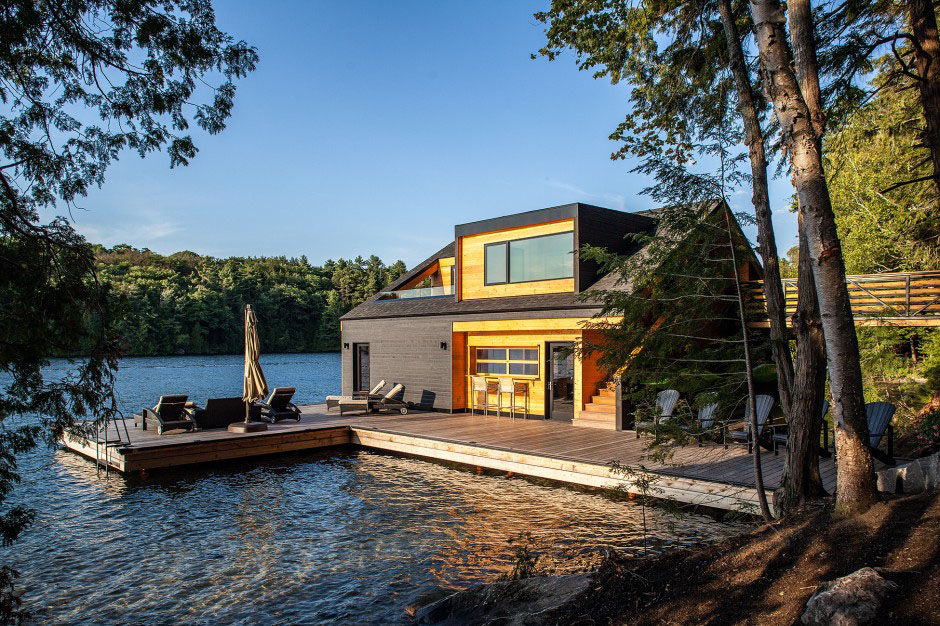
(506, 242)
(507, 361)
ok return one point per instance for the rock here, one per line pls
(916, 476)
(510, 603)
(852, 600)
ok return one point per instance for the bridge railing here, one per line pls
(909, 299)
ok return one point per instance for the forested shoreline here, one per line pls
(186, 303)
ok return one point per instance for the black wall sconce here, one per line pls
(346, 346)
(443, 345)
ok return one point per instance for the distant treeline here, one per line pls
(191, 304)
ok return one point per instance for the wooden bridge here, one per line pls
(895, 299)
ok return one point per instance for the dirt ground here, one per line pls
(766, 577)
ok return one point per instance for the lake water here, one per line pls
(341, 536)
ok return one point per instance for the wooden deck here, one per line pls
(709, 475)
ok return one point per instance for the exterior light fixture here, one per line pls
(443, 345)
(346, 346)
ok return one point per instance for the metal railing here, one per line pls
(421, 292)
(913, 297)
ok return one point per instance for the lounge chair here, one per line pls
(780, 433)
(879, 416)
(705, 420)
(764, 405)
(388, 402)
(220, 412)
(168, 414)
(879, 422)
(333, 401)
(665, 405)
(278, 406)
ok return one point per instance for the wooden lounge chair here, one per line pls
(333, 401)
(764, 405)
(665, 405)
(169, 414)
(220, 412)
(879, 423)
(278, 406)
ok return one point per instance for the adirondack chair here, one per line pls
(705, 420)
(879, 416)
(780, 433)
(665, 405)
(764, 405)
(879, 423)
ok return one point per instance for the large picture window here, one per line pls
(526, 260)
(511, 361)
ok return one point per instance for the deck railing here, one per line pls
(421, 292)
(904, 299)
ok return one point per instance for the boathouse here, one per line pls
(502, 300)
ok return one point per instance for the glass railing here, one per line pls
(421, 292)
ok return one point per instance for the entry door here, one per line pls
(559, 396)
(361, 367)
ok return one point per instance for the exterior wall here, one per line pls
(470, 258)
(407, 351)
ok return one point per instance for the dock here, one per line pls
(708, 475)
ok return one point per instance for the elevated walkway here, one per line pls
(890, 299)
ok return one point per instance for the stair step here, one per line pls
(603, 399)
(606, 392)
(607, 409)
(595, 420)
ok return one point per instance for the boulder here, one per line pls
(914, 477)
(852, 600)
(510, 602)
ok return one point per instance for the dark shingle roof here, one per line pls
(446, 305)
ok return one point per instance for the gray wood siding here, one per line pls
(406, 351)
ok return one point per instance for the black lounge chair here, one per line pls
(278, 406)
(220, 412)
(333, 401)
(764, 405)
(388, 402)
(169, 414)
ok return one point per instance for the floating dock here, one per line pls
(708, 475)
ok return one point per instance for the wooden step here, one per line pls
(608, 409)
(605, 391)
(595, 420)
(603, 399)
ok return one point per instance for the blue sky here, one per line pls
(373, 128)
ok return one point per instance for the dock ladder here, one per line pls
(105, 441)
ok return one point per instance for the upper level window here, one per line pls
(524, 260)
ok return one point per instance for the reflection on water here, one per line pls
(330, 536)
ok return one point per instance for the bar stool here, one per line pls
(478, 385)
(507, 386)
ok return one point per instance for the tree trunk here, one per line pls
(801, 480)
(800, 17)
(856, 491)
(754, 139)
(927, 64)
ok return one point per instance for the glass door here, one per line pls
(559, 396)
(361, 367)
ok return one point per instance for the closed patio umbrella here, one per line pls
(255, 386)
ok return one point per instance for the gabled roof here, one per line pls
(447, 305)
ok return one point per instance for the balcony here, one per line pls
(421, 292)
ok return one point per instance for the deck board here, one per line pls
(547, 448)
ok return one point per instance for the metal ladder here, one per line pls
(104, 444)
